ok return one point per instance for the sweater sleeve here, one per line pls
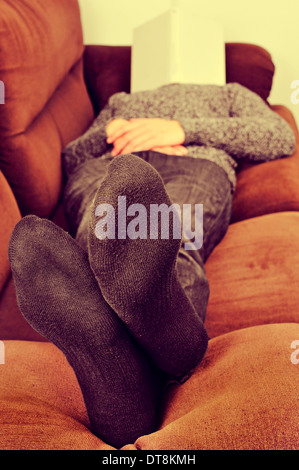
(91, 144)
(252, 131)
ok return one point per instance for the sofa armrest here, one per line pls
(265, 188)
(284, 112)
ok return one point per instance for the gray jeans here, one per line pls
(187, 181)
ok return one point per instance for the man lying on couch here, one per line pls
(128, 308)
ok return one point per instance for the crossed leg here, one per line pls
(118, 313)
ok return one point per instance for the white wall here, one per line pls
(272, 24)
(110, 22)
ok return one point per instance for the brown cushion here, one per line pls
(10, 215)
(12, 323)
(250, 65)
(47, 104)
(108, 69)
(244, 395)
(269, 187)
(254, 273)
(41, 403)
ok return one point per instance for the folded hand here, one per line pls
(141, 134)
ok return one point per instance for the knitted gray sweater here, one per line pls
(223, 124)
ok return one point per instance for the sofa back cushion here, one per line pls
(46, 102)
(251, 66)
(108, 70)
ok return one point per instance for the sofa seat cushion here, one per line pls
(253, 274)
(41, 403)
(12, 323)
(243, 395)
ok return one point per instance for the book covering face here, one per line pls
(179, 46)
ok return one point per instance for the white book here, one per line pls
(179, 46)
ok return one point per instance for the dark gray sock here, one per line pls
(59, 296)
(138, 278)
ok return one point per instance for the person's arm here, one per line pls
(91, 144)
(135, 135)
(253, 131)
(147, 134)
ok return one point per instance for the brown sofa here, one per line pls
(244, 395)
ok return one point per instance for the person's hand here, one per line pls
(114, 125)
(143, 134)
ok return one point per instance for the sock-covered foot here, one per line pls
(59, 296)
(137, 277)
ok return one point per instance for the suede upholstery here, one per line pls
(244, 395)
(268, 187)
(45, 96)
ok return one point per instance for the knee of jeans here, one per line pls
(82, 232)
